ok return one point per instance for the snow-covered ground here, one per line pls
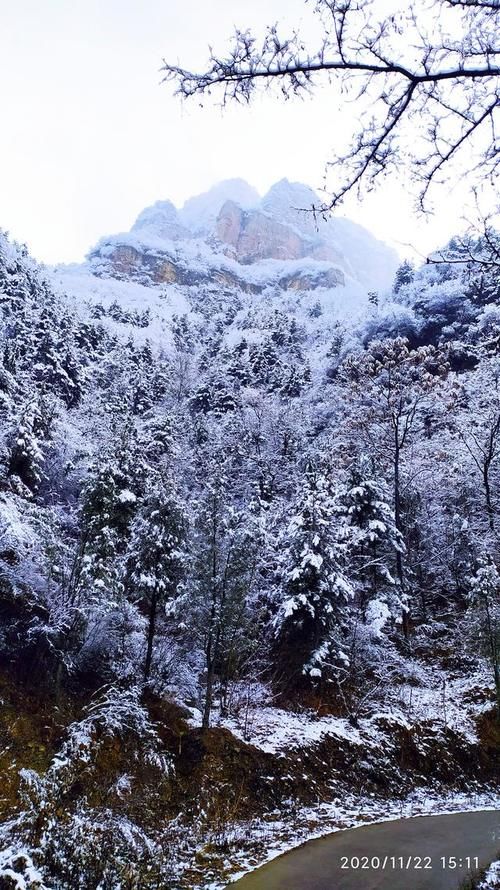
(433, 697)
(438, 700)
(274, 730)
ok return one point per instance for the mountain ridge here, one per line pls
(231, 220)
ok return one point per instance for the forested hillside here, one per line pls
(249, 519)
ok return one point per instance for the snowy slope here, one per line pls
(169, 257)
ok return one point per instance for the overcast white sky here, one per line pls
(90, 137)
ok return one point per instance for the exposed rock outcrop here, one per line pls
(157, 267)
(303, 281)
(256, 236)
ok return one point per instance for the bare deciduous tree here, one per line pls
(391, 389)
(425, 80)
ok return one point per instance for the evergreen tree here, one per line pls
(375, 542)
(404, 275)
(54, 363)
(225, 541)
(27, 448)
(110, 500)
(389, 391)
(484, 611)
(156, 554)
(311, 617)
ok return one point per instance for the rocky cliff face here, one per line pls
(230, 234)
(255, 235)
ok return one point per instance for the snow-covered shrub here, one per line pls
(86, 843)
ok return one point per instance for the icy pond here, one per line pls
(431, 852)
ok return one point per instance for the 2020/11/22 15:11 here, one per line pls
(408, 862)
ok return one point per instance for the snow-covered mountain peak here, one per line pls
(200, 212)
(160, 220)
(291, 203)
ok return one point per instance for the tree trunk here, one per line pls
(151, 634)
(209, 653)
(209, 691)
(58, 682)
(496, 670)
(374, 570)
(397, 518)
(487, 490)
(494, 653)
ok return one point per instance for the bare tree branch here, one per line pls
(426, 83)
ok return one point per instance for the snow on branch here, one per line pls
(442, 77)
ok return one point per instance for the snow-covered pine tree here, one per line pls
(404, 275)
(484, 616)
(55, 365)
(216, 394)
(157, 554)
(311, 618)
(110, 499)
(27, 443)
(389, 391)
(375, 541)
(225, 543)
